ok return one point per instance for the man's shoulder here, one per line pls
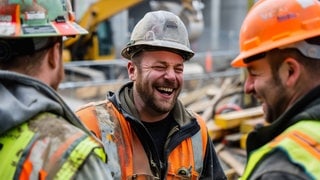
(50, 124)
(277, 164)
(92, 114)
(91, 105)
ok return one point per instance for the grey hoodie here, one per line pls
(23, 97)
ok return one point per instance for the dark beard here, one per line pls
(276, 110)
(149, 100)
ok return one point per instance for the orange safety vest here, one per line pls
(184, 162)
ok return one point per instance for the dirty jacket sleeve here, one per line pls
(91, 169)
(273, 168)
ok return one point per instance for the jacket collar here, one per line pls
(123, 100)
(306, 108)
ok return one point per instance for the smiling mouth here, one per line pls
(165, 90)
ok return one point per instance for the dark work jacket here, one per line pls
(277, 164)
(188, 126)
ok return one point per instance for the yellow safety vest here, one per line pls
(27, 153)
(301, 142)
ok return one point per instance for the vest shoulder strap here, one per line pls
(97, 119)
(301, 138)
(88, 115)
(199, 145)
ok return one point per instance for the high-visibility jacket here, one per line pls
(45, 147)
(104, 119)
(301, 142)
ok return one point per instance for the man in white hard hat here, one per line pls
(156, 137)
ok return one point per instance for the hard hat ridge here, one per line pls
(161, 30)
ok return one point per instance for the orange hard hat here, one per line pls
(272, 24)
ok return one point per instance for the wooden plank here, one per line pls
(248, 125)
(233, 119)
(243, 141)
(231, 161)
(231, 174)
(215, 132)
(232, 140)
(193, 96)
(199, 106)
(207, 114)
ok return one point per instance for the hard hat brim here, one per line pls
(272, 44)
(51, 29)
(178, 48)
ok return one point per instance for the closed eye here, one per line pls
(159, 68)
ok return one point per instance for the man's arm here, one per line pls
(93, 168)
(277, 166)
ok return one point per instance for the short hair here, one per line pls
(25, 53)
(277, 56)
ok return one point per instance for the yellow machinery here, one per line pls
(95, 19)
(98, 43)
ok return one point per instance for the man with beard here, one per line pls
(155, 136)
(280, 48)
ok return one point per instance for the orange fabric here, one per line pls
(208, 62)
(304, 140)
(42, 175)
(181, 156)
(26, 170)
(125, 147)
(63, 148)
(89, 118)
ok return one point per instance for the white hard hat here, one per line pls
(159, 30)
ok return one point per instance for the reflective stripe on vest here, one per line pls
(197, 145)
(110, 120)
(107, 133)
(302, 144)
(72, 164)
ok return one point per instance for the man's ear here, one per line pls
(290, 71)
(54, 55)
(131, 70)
